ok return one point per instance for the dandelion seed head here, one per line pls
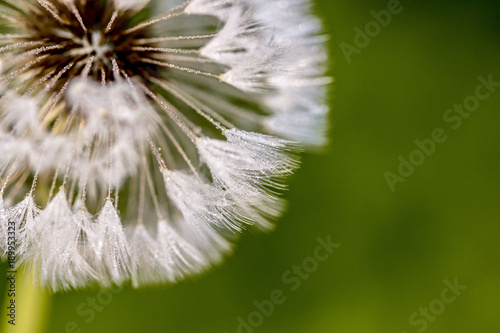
(136, 144)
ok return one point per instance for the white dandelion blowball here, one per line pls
(137, 139)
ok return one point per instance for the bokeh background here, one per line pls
(396, 247)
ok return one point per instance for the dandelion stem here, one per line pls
(32, 307)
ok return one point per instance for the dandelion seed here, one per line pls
(137, 149)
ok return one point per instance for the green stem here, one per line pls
(32, 306)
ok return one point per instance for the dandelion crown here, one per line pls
(137, 146)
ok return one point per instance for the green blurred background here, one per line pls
(397, 248)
